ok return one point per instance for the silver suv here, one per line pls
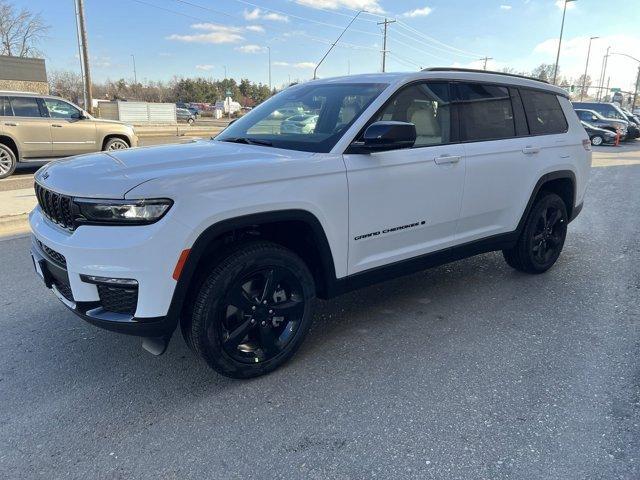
(39, 127)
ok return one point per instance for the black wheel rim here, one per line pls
(548, 235)
(261, 314)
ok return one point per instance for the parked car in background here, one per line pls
(299, 124)
(597, 120)
(631, 117)
(611, 110)
(185, 115)
(193, 110)
(37, 127)
(286, 112)
(599, 136)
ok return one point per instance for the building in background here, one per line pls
(23, 74)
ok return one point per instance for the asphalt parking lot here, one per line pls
(467, 371)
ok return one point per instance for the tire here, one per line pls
(542, 237)
(597, 140)
(8, 161)
(235, 326)
(116, 144)
(190, 121)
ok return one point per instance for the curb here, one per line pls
(14, 225)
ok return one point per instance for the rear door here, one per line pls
(28, 127)
(70, 133)
(498, 157)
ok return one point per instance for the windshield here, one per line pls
(310, 117)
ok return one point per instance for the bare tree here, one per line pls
(66, 84)
(544, 71)
(20, 32)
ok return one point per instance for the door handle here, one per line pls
(444, 159)
(11, 124)
(529, 150)
(56, 125)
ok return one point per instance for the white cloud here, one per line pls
(217, 34)
(505, 7)
(101, 62)
(204, 68)
(251, 49)
(255, 28)
(369, 5)
(570, 5)
(295, 65)
(258, 14)
(418, 12)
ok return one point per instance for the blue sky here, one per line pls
(202, 37)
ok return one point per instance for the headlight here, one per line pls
(120, 212)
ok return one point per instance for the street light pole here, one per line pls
(555, 68)
(635, 92)
(135, 74)
(586, 66)
(315, 70)
(602, 73)
(269, 50)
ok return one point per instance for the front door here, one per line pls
(405, 203)
(70, 133)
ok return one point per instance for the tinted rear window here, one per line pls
(544, 113)
(486, 112)
(25, 107)
(5, 107)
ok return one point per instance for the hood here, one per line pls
(113, 174)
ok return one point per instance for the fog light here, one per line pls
(123, 282)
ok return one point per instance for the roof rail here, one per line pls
(474, 70)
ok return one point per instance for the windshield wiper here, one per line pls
(249, 141)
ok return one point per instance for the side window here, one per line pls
(544, 113)
(428, 107)
(5, 107)
(485, 112)
(25, 106)
(60, 109)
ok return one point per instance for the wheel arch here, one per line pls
(299, 230)
(110, 136)
(12, 144)
(562, 183)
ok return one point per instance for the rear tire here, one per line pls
(253, 310)
(8, 161)
(597, 140)
(542, 237)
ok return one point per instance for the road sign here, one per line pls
(229, 93)
(615, 89)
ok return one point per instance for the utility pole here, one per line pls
(485, 60)
(586, 67)
(384, 43)
(82, 29)
(555, 68)
(135, 74)
(84, 90)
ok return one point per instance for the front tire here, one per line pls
(116, 144)
(190, 121)
(8, 161)
(253, 310)
(542, 237)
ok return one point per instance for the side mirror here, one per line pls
(387, 135)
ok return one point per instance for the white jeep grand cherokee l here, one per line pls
(231, 239)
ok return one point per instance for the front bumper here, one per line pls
(147, 254)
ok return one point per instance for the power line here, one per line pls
(438, 42)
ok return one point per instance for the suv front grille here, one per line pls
(55, 206)
(119, 299)
(64, 289)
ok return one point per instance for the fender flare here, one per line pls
(200, 245)
(559, 174)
